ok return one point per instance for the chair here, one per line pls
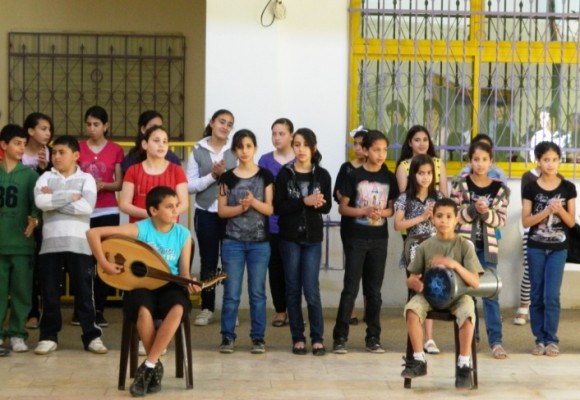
(130, 350)
(447, 316)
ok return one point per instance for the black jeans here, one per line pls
(102, 290)
(81, 271)
(364, 259)
(210, 230)
(276, 275)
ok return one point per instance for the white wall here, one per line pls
(298, 68)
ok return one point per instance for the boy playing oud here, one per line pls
(169, 302)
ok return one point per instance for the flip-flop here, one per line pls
(278, 323)
(539, 350)
(498, 352)
(552, 350)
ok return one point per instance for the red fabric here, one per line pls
(171, 177)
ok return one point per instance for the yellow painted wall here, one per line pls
(185, 17)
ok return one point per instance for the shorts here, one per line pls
(158, 301)
(463, 308)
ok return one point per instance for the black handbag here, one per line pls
(574, 245)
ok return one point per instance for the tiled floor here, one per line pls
(71, 373)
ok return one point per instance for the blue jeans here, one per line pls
(491, 311)
(364, 259)
(546, 269)
(236, 255)
(301, 261)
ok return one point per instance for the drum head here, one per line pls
(438, 287)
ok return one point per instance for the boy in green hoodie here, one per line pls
(19, 217)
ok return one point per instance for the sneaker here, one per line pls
(430, 347)
(155, 382)
(339, 346)
(4, 351)
(143, 377)
(258, 346)
(18, 345)
(45, 347)
(414, 368)
(204, 317)
(227, 346)
(100, 319)
(374, 345)
(463, 378)
(96, 346)
(75, 321)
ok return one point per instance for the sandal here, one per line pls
(552, 350)
(498, 352)
(539, 350)
(521, 316)
(430, 347)
(278, 323)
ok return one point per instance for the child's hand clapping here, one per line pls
(481, 205)
(315, 200)
(246, 202)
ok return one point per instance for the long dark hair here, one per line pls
(310, 140)
(416, 163)
(144, 119)
(99, 113)
(407, 151)
(207, 130)
(34, 118)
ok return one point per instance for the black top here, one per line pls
(299, 222)
(365, 188)
(550, 233)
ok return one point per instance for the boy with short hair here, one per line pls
(19, 217)
(447, 250)
(169, 302)
(67, 196)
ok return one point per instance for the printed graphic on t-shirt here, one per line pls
(251, 225)
(477, 224)
(374, 194)
(166, 252)
(550, 229)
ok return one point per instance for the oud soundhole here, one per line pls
(139, 269)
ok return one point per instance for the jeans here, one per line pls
(236, 254)
(364, 259)
(101, 289)
(491, 311)
(301, 261)
(546, 269)
(210, 230)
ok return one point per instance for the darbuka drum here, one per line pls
(442, 287)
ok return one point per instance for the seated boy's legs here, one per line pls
(373, 274)
(170, 302)
(355, 253)
(81, 272)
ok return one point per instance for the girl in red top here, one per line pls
(154, 171)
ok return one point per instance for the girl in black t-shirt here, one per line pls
(549, 206)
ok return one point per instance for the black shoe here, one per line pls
(319, 351)
(227, 346)
(155, 383)
(339, 346)
(414, 368)
(100, 319)
(463, 378)
(353, 321)
(373, 345)
(143, 377)
(299, 351)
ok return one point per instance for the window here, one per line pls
(62, 75)
(506, 68)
